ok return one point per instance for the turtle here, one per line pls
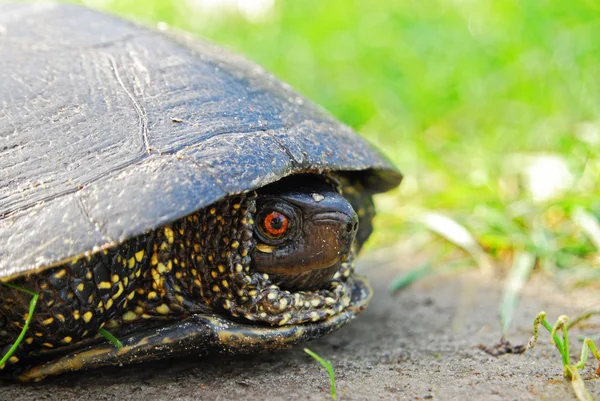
(168, 194)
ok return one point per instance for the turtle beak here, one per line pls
(329, 236)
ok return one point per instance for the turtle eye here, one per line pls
(275, 224)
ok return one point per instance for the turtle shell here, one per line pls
(109, 129)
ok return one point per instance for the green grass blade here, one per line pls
(518, 275)
(112, 339)
(410, 277)
(588, 224)
(459, 236)
(327, 365)
(579, 385)
(580, 318)
(16, 287)
(32, 304)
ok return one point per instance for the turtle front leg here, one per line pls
(197, 335)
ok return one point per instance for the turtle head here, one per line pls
(282, 254)
(304, 231)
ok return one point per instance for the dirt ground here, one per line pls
(419, 344)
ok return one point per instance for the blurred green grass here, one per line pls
(490, 108)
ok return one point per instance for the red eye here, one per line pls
(276, 224)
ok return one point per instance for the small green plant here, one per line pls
(112, 339)
(571, 371)
(327, 365)
(32, 304)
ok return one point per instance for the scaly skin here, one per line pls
(198, 264)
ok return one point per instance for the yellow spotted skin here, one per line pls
(198, 264)
(75, 299)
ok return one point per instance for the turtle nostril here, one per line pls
(352, 227)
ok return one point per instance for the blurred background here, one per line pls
(490, 109)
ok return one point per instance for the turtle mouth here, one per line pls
(291, 299)
(308, 280)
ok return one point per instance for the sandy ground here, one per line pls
(419, 344)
